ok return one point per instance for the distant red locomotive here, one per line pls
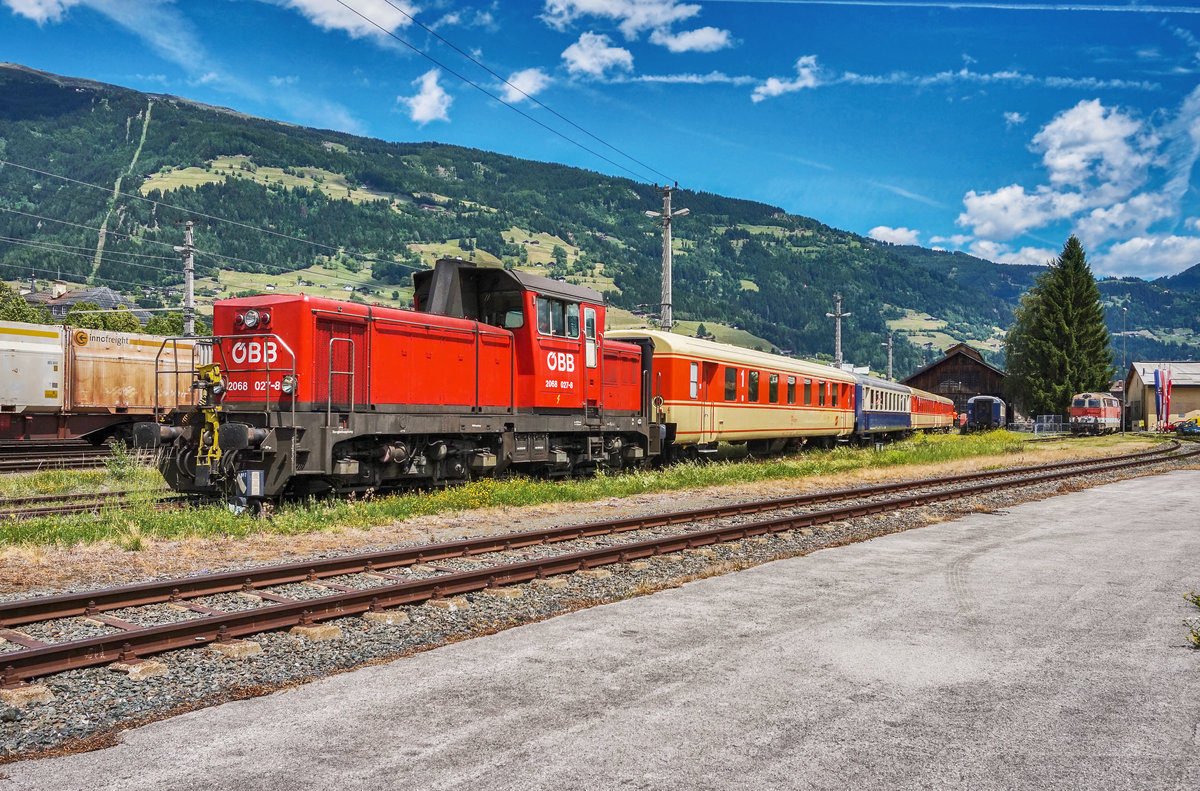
(495, 370)
(1095, 413)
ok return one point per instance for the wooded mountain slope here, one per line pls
(375, 210)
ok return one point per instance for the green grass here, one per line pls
(132, 527)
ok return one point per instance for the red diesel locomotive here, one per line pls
(494, 371)
(1095, 413)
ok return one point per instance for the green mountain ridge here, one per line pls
(379, 209)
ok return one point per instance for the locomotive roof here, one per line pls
(721, 352)
(526, 281)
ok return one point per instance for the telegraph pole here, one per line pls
(889, 348)
(665, 217)
(837, 336)
(189, 280)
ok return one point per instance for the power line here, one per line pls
(536, 101)
(216, 218)
(52, 248)
(491, 95)
(333, 279)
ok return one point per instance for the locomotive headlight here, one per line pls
(251, 318)
(288, 385)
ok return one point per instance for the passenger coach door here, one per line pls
(708, 407)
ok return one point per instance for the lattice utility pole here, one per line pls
(889, 348)
(189, 280)
(665, 217)
(837, 335)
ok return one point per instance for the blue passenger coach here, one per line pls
(882, 409)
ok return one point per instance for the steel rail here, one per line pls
(15, 613)
(134, 644)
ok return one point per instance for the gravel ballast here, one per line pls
(91, 706)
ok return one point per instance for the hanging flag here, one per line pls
(1167, 395)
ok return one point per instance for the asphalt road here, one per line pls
(1040, 647)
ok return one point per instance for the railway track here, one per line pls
(317, 590)
(18, 508)
(39, 455)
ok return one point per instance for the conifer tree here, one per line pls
(1058, 344)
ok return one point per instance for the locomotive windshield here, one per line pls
(556, 317)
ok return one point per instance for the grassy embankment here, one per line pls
(129, 528)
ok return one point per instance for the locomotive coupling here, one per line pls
(151, 435)
(239, 436)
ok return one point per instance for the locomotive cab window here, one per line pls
(1079, 402)
(558, 318)
(1093, 402)
(730, 383)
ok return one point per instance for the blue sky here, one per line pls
(997, 128)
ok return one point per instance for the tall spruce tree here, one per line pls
(1058, 344)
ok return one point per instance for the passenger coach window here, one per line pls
(808, 397)
(773, 389)
(730, 383)
(821, 393)
(694, 380)
(556, 317)
(754, 387)
(791, 389)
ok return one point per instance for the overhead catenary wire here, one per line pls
(489, 94)
(531, 98)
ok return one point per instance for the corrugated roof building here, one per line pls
(1141, 405)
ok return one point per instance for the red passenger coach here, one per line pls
(494, 370)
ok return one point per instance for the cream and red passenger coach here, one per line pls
(707, 392)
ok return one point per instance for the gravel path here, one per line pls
(91, 706)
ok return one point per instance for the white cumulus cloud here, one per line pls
(632, 17)
(705, 39)
(1013, 119)
(41, 11)
(431, 103)
(525, 83)
(806, 77)
(1094, 145)
(1149, 256)
(895, 235)
(1004, 254)
(332, 15)
(593, 55)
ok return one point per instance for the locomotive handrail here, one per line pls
(196, 341)
(214, 342)
(350, 385)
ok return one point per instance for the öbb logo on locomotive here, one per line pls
(255, 352)
(560, 361)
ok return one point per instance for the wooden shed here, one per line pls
(959, 375)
